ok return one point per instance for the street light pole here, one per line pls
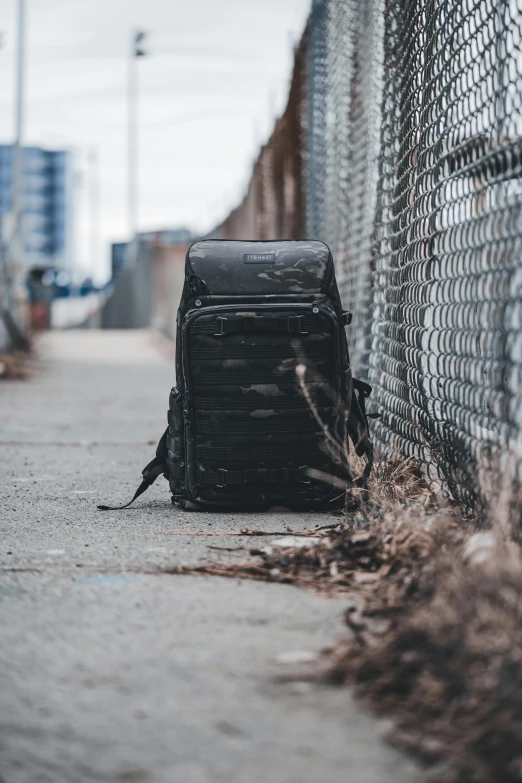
(16, 246)
(132, 149)
(94, 212)
(13, 308)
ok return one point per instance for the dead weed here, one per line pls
(435, 613)
(14, 366)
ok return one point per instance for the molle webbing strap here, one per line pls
(266, 426)
(175, 446)
(222, 477)
(249, 352)
(248, 377)
(231, 324)
(175, 423)
(255, 452)
(252, 402)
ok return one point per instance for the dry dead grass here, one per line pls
(448, 668)
(434, 610)
(384, 545)
(14, 365)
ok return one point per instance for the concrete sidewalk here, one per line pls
(112, 675)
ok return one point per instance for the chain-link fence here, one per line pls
(407, 146)
(447, 255)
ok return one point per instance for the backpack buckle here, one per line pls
(295, 324)
(222, 477)
(222, 323)
(346, 318)
(303, 477)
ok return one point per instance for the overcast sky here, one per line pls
(217, 73)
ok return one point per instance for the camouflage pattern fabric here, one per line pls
(241, 433)
(266, 268)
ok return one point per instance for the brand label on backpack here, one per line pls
(256, 258)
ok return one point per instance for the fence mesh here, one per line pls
(352, 105)
(410, 167)
(445, 345)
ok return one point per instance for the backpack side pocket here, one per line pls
(176, 443)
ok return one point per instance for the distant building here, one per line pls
(163, 238)
(167, 237)
(118, 253)
(46, 204)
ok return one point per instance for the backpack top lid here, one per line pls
(278, 267)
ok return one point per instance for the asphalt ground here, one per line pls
(110, 673)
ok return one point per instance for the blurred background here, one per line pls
(136, 121)
(390, 129)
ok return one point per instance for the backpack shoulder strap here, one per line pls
(150, 473)
(359, 429)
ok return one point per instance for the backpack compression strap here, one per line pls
(150, 473)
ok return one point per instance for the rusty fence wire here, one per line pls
(401, 147)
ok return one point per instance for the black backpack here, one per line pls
(265, 399)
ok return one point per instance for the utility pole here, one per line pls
(17, 243)
(13, 315)
(3, 246)
(136, 52)
(94, 211)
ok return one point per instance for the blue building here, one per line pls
(46, 203)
